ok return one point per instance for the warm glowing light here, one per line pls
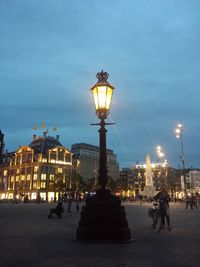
(158, 147)
(161, 154)
(102, 97)
(102, 94)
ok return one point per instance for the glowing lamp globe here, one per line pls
(102, 94)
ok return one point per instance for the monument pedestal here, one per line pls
(103, 219)
(149, 191)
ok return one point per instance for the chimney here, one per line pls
(57, 137)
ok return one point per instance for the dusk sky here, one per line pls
(51, 50)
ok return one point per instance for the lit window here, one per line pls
(51, 177)
(34, 184)
(35, 177)
(43, 176)
(60, 170)
(43, 184)
(35, 168)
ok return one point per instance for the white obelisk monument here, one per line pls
(149, 189)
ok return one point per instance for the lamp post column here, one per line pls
(103, 178)
(183, 162)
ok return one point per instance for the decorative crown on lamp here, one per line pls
(102, 93)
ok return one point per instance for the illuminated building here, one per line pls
(40, 171)
(193, 181)
(163, 175)
(88, 156)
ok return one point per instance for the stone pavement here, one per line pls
(29, 238)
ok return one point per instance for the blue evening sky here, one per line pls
(51, 50)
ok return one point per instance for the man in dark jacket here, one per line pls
(164, 198)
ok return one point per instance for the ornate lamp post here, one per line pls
(179, 134)
(102, 93)
(103, 219)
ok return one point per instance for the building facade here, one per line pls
(162, 175)
(40, 171)
(193, 181)
(88, 156)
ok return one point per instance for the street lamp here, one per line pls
(160, 153)
(103, 219)
(102, 94)
(163, 164)
(179, 134)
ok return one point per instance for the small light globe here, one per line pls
(180, 125)
(102, 94)
(158, 148)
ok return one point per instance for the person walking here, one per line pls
(193, 201)
(69, 203)
(187, 201)
(164, 198)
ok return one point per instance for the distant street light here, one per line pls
(103, 219)
(160, 154)
(179, 134)
(163, 164)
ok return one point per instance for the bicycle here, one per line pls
(155, 214)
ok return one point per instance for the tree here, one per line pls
(57, 185)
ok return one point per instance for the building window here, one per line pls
(35, 185)
(61, 156)
(35, 176)
(68, 157)
(18, 159)
(43, 184)
(43, 176)
(51, 177)
(29, 157)
(35, 168)
(44, 159)
(60, 170)
(23, 158)
(28, 170)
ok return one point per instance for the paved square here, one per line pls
(29, 238)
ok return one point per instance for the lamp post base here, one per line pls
(103, 220)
